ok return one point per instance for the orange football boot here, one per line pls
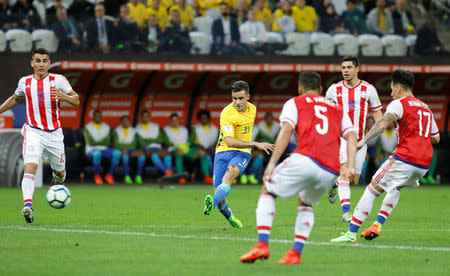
(292, 257)
(98, 179)
(182, 180)
(372, 232)
(208, 179)
(260, 251)
(168, 172)
(109, 178)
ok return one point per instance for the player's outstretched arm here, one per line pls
(280, 145)
(377, 115)
(10, 103)
(378, 128)
(71, 98)
(235, 143)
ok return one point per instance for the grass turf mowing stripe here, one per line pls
(126, 233)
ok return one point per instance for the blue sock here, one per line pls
(168, 162)
(115, 161)
(97, 160)
(257, 165)
(381, 219)
(27, 204)
(298, 246)
(335, 184)
(353, 228)
(222, 191)
(126, 168)
(158, 163)
(345, 208)
(140, 165)
(263, 238)
(226, 212)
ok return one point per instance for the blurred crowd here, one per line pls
(239, 26)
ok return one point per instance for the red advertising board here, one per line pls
(70, 115)
(167, 93)
(115, 94)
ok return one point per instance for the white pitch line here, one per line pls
(220, 227)
(125, 233)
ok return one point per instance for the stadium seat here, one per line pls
(45, 39)
(200, 43)
(411, 42)
(274, 37)
(298, 44)
(346, 44)
(322, 44)
(370, 45)
(394, 45)
(203, 24)
(19, 40)
(3, 41)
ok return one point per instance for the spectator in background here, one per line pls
(186, 13)
(283, 21)
(98, 139)
(40, 7)
(203, 137)
(428, 42)
(112, 7)
(175, 39)
(241, 11)
(177, 140)
(100, 32)
(263, 14)
(125, 142)
(386, 143)
(379, 20)
(150, 140)
(152, 34)
(7, 18)
(138, 12)
(165, 4)
(225, 33)
(27, 15)
(354, 19)
(253, 33)
(68, 33)
(82, 11)
(160, 11)
(331, 22)
(403, 20)
(209, 8)
(127, 32)
(369, 167)
(51, 12)
(305, 17)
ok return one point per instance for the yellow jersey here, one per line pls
(304, 18)
(138, 13)
(236, 124)
(186, 15)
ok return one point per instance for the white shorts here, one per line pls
(48, 145)
(397, 174)
(299, 174)
(359, 159)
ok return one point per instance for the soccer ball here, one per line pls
(58, 196)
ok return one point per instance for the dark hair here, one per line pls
(239, 86)
(352, 1)
(403, 78)
(40, 51)
(203, 112)
(225, 4)
(124, 116)
(144, 111)
(309, 80)
(174, 115)
(96, 111)
(353, 59)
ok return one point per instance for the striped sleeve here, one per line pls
(374, 101)
(289, 113)
(434, 129)
(20, 90)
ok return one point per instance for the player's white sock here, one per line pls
(389, 202)
(265, 212)
(363, 208)
(59, 180)
(344, 194)
(28, 189)
(303, 226)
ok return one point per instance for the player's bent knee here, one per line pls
(376, 187)
(60, 173)
(30, 168)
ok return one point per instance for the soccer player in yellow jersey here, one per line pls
(233, 150)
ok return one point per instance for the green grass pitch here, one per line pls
(137, 230)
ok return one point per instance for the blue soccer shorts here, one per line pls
(225, 159)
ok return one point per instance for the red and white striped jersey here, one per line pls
(416, 126)
(356, 102)
(42, 110)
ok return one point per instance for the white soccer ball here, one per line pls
(58, 196)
